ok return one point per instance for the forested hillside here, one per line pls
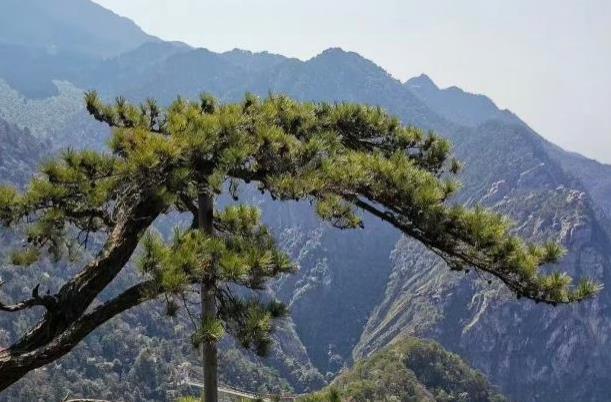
(410, 370)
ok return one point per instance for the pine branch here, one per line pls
(47, 301)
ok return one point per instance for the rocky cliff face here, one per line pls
(19, 153)
(535, 353)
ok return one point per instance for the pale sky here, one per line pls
(549, 61)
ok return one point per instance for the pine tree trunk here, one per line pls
(208, 301)
(209, 349)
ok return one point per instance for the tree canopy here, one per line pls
(346, 159)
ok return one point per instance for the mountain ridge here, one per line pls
(75, 25)
(410, 369)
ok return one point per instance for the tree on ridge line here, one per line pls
(344, 158)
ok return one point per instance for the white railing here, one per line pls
(233, 391)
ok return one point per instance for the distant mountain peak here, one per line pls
(334, 52)
(339, 53)
(421, 81)
(80, 26)
(252, 62)
(457, 105)
(345, 60)
(245, 52)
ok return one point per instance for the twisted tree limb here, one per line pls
(68, 322)
(14, 364)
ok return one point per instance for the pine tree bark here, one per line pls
(67, 322)
(208, 302)
(14, 365)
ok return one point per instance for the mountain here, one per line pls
(42, 117)
(73, 26)
(31, 71)
(532, 352)
(595, 176)
(411, 370)
(472, 110)
(253, 62)
(359, 291)
(455, 104)
(42, 41)
(20, 153)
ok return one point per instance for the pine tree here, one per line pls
(346, 159)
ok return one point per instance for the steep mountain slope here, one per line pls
(32, 71)
(19, 154)
(411, 370)
(42, 41)
(455, 104)
(471, 110)
(74, 26)
(532, 352)
(595, 176)
(41, 116)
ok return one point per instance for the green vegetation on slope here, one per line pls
(410, 370)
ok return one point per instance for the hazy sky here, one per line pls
(547, 60)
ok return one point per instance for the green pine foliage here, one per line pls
(242, 252)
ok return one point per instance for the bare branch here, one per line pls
(47, 301)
